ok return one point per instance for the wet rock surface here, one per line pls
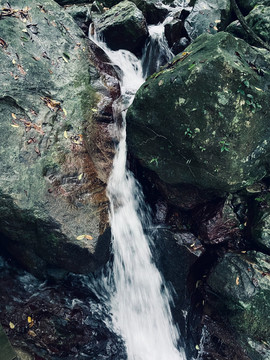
(212, 141)
(52, 190)
(51, 321)
(123, 27)
(258, 20)
(239, 288)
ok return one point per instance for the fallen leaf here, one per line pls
(29, 319)
(94, 110)
(161, 82)
(52, 104)
(36, 58)
(258, 89)
(15, 125)
(65, 134)
(237, 280)
(14, 116)
(32, 333)
(64, 111)
(80, 176)
(197, 347)
(80, 237)
(3, 44)
(13, 61)
(25, 31)
(11, 325)
(88, 237)
(21, 69)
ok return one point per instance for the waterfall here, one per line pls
(138, 298)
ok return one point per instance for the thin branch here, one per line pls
(247, 28)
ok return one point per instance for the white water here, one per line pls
(139, 302)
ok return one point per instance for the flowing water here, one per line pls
(139, 301)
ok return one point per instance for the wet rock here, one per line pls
(81, 15)
(123, 27)
(208, 17)
(239, 288)
(152, 10)
(218, 223)
(258, 20)
(261, 222)
(177, 253)
(73, 2)
(55, 322)
(214, 98)
(50, 189)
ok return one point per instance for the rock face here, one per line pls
(258, 19)
(82, 15)
(202, 120)
(123, 27)
(241, 284)
(50, 192)
(207, 17)
(261, 223)
(247, 5)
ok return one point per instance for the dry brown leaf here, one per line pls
(237, 280)
(88, 237)
(11, 325)
(32, 333)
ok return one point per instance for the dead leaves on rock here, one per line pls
(28, 124)
(22, 14)
(3, 44)
(52, 104)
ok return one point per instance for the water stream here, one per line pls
(138, 300)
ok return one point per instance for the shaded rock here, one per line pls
(258, 20)
(177, 253)
(67, 320)
(73, 2)
(201, 119)
(247, 5)
(50, 190)
(241, 285)
(261, 223)
(218, 342)
(123, 27)
(218, 223)
(207, 17)
(81, 15)
(152, 10)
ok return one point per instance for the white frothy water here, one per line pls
(140, 302)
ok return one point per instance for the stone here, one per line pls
(258, 20)
(241, 287)
(123, 27)
(247, 5)
(82, 16)
(218, 223)
(53, 202)
(202, 120)
(208, 17)
(260, 227)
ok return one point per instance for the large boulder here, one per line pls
(258, 20)
(260, 226)
(208, 17)
(247, 5)
(202, 120)
(239, 288)
(53, 204)
(123, 27)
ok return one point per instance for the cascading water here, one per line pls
(139, 301)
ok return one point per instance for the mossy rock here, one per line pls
(202, 120)
(241, 287)
(50, 192)
(123, 27)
